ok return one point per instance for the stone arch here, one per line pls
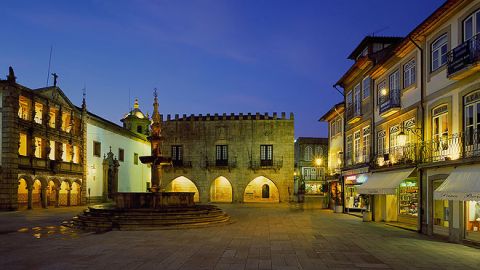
(52, 191)
(75, 193)
(37, 193)
(183, 184)
(22, 195)
(63, 198)
(221, 190)
(256, 191)
(27, 178)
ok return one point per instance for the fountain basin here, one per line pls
(153, 200)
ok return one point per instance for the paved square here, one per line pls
(277, 236)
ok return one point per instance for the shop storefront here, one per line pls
(395, 196)
(441, 212)
(334, 192)
(354, 202)
(462, 185)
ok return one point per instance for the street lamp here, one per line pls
(318, 162)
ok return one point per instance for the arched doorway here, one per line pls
(51, 193)
(37, 194)
(261, 189)
(63, 194)
(183, 184)
(22, 194)
(75, 194)
(221, 190)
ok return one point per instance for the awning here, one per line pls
(463, 184)
(384, 182)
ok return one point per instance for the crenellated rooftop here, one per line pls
(231, 116)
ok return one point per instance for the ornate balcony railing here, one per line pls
(389, 101)
(398, 155)
(463, 55)
(452, 147)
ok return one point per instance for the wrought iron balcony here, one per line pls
(181, 164)
(389, 103)
(353, 113)
(274, 164)
(398, 155)
(463, 60)
(452, 147)
(221, 163)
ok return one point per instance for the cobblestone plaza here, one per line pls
(280, 236)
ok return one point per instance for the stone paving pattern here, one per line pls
(277, 236)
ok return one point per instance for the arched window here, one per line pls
(139, 129)
(265, 191)
(308, 156)
(439, 52)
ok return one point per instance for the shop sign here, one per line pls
(355, 171)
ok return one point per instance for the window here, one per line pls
(381, 142)
(394, 81)
(52, 117)
(66, 121)
(222, 155)
(38, 147)
(409, 73)
(366, 144)
(24, 108)
(381, 91)
(266, 155)
(121, 154)
(67, 155)
(38, 113)
(393, 142)
(439, 52)
(97, 149)
(76, 154)
(356, 146)
(471, 25)
(51, 155)
(472, 124)
(333, 131)
(358, 99)
(309, 173)
(318, 151)
(366, 87)
(139, 129)
(308, 154)
(177, 154)
(349, 98)
(22, 148)
(135, 158)
(349, 150)
(339, 125)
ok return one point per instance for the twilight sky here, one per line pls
(203, 56)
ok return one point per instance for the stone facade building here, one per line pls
(311, 160)
(230, 158)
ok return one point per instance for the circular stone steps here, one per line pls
(106, 217)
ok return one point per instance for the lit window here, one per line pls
(24, 109)
(409, 73)
(349, 150)
(38, 147)
(439, 52)
(38, 113)
(53, 117)
(22, 149)
(356, 146)
(76, 154)
(366, 144)
(51, 155)
(66, 121)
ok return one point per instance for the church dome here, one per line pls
(136, 112)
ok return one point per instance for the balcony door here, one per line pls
(471, 26)
(472, 125)
(440, 133)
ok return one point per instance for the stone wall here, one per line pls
(244, 134)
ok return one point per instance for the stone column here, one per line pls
(44, 197)
(30, 195)
(57, 197)
(68, 195)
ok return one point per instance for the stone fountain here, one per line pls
(152, 210)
